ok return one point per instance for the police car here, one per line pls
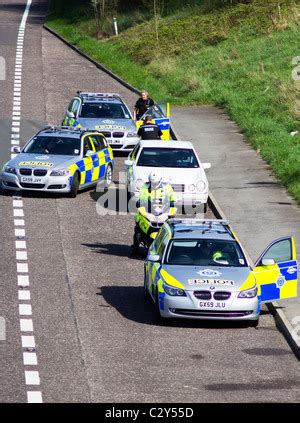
(60, 159)
(197, 269)
(107, 113)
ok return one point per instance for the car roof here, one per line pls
(64, 131)
(89, 97)
(201, 229)
(166, 144)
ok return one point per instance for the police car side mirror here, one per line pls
(206, 165)
(154, 257)
(267, 262)
(16, 150)
(70, 114)
(89, 153)
(128, 162)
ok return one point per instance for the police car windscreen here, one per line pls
(168, 157)
(200, 252)
(54, 145)
(103, 111)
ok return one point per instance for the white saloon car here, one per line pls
(179, 164)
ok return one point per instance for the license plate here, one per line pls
(114, 142)
(212, 304)
(31, 180)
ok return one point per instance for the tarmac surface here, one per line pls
(96, 340)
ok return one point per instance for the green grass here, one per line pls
(237, 57)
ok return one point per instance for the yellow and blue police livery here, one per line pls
(197, 269)
(62, 160)
(161, 117)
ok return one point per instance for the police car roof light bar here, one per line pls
(63, 128)
(90, 94)
(209, 222)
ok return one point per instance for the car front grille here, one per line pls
(34, 186)
(212, 313)
(24, 171)
(178, 187)
(105, 133)
(40, 172)
(202, 295)
(222, 296)
(118, 134)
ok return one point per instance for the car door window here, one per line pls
(75, 106)
(96, 143)
(87, 145)
(134, 153)
(162, 246)
(280, 251)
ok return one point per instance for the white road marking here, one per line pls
(21, 245)
(34, 397)
(22, 267)
(29, 358)
(32, 378)
(25, 309)
(19, 222)
(18, 213)
(17, 203)
(24, 297)
(19, 232)
(21, 255)
(28, 341)
(23, 280)
(26, 325)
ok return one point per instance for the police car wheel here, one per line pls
(108, 176)
(74, 186)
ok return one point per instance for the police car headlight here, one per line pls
(10, 169)
(201, 186)
(60, 172)
(131, 135)
(174, 292)
(138, 184)
(192, 187)
(248, 293)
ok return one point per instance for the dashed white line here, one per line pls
(26, 325)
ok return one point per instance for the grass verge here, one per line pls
(239, 58)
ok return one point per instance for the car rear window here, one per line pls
(168, 157)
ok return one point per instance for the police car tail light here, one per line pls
(248, 293)
(201, 186)
(138, 184)
(60, 172)
(131, 134)
(10, 169)
(174, 292)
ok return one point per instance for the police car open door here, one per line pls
(161, 117)
(276, 271)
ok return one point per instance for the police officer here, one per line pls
(142, 105)
(152, 194)
(149, 130)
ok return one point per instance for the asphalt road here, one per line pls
(96, 339)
